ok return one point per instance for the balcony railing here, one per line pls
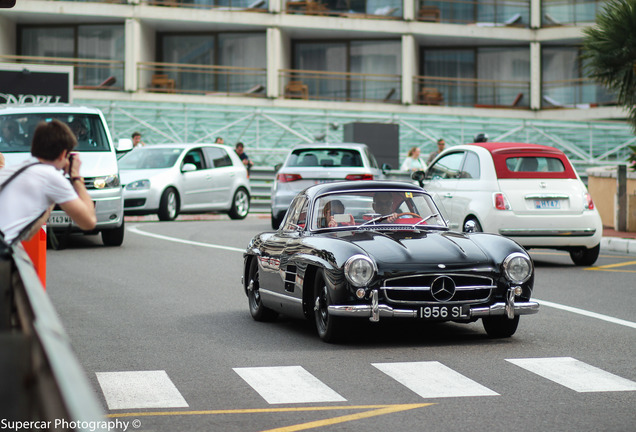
(387, 9)
(340, 86)
(201, 79)
(88, 74)
(465, 92)
(234, 5)
(569, 12)
(489, 13)
(575, 93)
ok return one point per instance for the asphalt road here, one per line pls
(162, 328)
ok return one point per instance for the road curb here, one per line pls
(621, 245)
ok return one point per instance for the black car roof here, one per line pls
(359, 185)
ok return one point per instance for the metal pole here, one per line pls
(621, 194)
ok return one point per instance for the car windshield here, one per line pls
(376, 209)
(150, 158)
(332, 158)
(16, 131)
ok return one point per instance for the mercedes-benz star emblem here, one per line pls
(443, 288)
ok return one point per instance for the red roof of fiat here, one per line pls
(501, 151)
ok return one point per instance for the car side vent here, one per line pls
(290, 278)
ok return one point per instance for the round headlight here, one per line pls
(517, 267)
(359, 270)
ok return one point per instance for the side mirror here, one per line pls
(189, 167)
(385, 168)
(124, 145)
(418, 176)
(470, 226)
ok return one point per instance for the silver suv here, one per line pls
(99, 162)
(310, 164)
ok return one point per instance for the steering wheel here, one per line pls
(408, 214)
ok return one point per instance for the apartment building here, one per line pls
(491, 59)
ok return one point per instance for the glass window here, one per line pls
(333, 158)
(459, 63)
(534, 164)
(217, 158)
(375, 57)
(241, 50)
(296, 215)
(499, 65)
(470, 170)
(149, 158)
(330, 57)
(448, 167)
(194, 157)
(95, 42)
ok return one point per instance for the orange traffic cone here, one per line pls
(36, 249)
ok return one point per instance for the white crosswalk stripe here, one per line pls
(287, 384)
(432, 379)
(575, 375)
(295, 385)
(141, 389)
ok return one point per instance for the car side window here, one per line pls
(217, 157)
(296, 215)
(194, 157)
(372, 161)
(448, 167)
(470, 170)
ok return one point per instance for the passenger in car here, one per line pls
(334, 207)
(383, 204)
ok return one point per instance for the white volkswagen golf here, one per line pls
(528, 192)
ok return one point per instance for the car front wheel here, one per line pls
(257, 310)
(584, 256)
(240, 204)
(500, 326)
(168, 205)
(329, 327)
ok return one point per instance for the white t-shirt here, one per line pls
(29, 194)
(411, 164)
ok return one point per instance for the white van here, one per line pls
(99, 162)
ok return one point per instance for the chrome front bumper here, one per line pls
(376, 310)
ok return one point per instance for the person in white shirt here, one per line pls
(413, 162)
(29, 190)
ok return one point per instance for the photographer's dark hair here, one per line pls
(50, 139)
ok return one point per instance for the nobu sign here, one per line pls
(33, 86)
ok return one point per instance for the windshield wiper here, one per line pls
(427, 218)
(376, 219)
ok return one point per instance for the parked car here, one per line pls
(309, 164)
(376, 250)
(99, 168)
(169, 179)
(528, 192)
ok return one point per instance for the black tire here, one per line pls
(168, 205)
(240, 204)
(584, 256)
(478, 227)
(500, 326)
(276, 221)
(114, 237)
(257, 310)
(330, 328)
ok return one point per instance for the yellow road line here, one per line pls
(610, 267)
(259, 410)
(351, 417)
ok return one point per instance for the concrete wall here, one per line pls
(602, 187)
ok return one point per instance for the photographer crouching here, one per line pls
(29, 191)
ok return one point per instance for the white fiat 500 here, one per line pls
(528, 192)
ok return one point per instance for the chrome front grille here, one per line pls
(449, 288)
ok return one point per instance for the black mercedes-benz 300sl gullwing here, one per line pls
(369, 249)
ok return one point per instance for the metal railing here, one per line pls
(197, 79)
(91, 74)
(480, 93)
(388, 9)
(41, 377)
(232, 5)
(340, 86)
(569, 12)
(492, 13)
(575, 93)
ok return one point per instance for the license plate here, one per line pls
(443, 312)
(547, 204)
(59, 219)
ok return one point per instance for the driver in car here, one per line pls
(383, 204)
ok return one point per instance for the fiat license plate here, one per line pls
(444, 312)
(547, 204)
